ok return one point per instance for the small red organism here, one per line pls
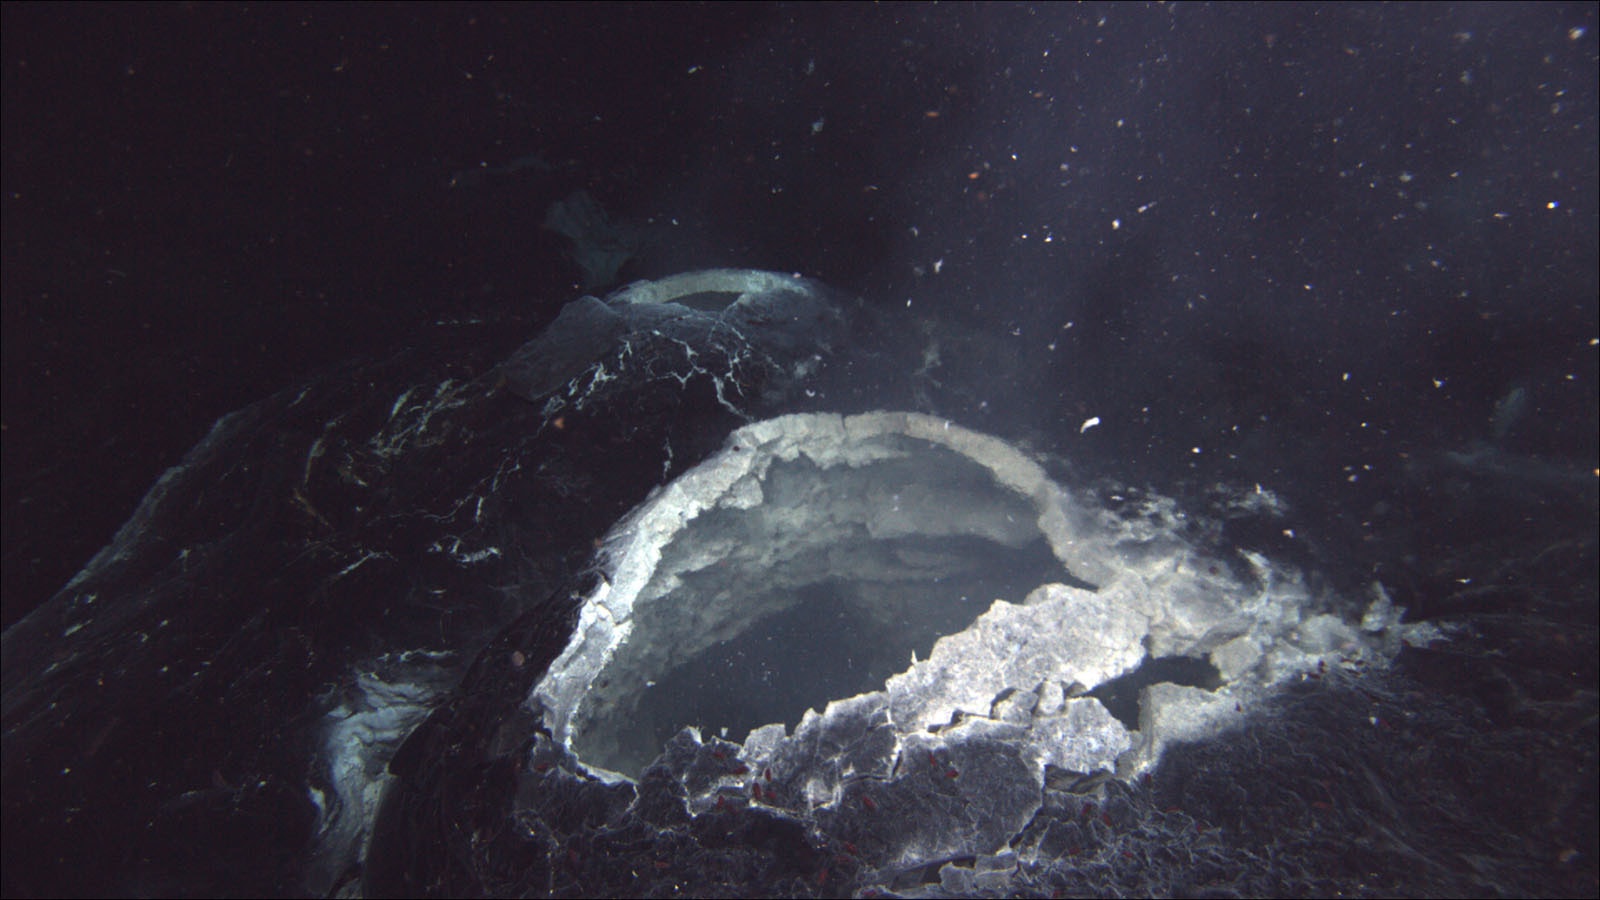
(718, 755)
(869, 803)
(768, 774)
(741, 769)
(755, 789)
(952, 774)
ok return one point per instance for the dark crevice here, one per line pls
(1120, 695)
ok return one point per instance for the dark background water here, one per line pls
(1310, 241)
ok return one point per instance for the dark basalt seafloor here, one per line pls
(332, 654)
